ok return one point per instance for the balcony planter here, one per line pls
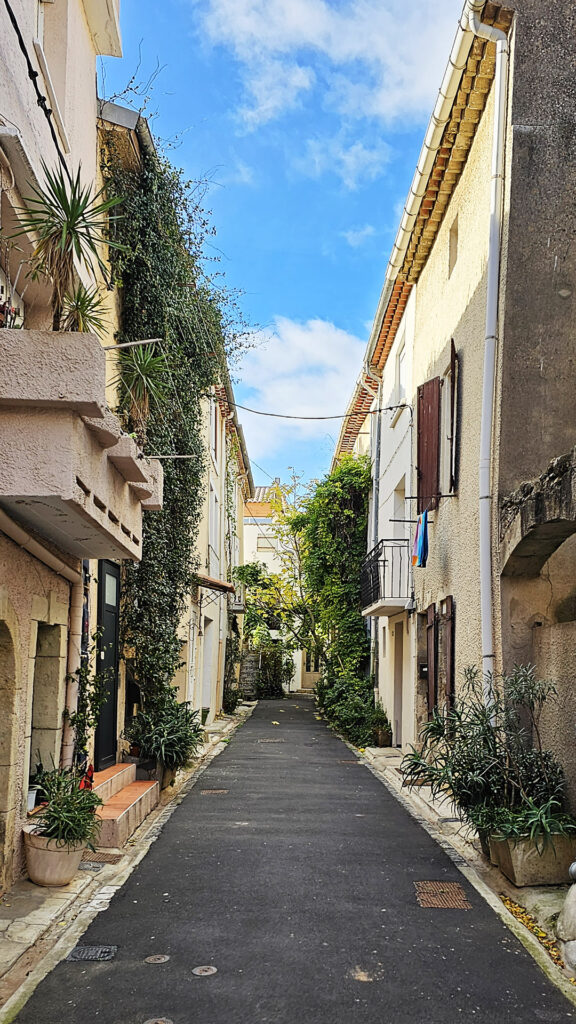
(47, 862)
(526, 864)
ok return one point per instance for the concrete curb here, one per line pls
(95, 896)
(410, 802)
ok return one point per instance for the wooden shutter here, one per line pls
(428, 444)
(449, 649)
(431, 647)
(454, 367)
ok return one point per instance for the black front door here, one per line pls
(107, 656)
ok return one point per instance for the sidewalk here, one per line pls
(299, 888)
(544, 902)
(33, 918)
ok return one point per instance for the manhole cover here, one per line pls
(101, 857)
(443, 895)
(202, 972)
(157, 958)
(158, 1020)
(212, 792)
(83, 953)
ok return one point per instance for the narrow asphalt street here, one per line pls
(290, 868)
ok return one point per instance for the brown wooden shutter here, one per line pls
(431, 647)
(454, 367)
(428, 444)
(449, 649)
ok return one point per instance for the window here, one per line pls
(428, 444)
(214, 520)
(453, 246)
(401, 375)
(265, 543)
(214, 428)
(448, 451)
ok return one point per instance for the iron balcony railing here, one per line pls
(385, 573)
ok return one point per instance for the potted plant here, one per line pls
(533, 845)
(381, 726)
(487, 755)
(57, 837)
(168, 732)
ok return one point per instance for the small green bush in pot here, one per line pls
(58, 834)
(167, 731)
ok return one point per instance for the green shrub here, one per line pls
(69, 816)
(166, 730)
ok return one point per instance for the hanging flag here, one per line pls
(422, 534)
(415, 545)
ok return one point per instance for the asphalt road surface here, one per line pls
(290, 869)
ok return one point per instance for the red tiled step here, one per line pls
(124, 811)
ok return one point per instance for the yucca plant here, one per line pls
(84, 311)
(70, 222)
(144, 378)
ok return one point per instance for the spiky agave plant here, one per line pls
(84, 311)
(143, 376)
(70, 222)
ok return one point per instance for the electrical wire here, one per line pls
(40, 98)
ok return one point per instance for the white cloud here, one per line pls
(357, 236)
(239, 174)
(353, 162)
(305, 369)
(373, 58)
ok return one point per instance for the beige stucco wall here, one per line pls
(554, 648)
(71, 59)
(29, 593)
(454, 307)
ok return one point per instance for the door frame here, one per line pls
(105, 566)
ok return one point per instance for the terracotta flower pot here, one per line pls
(47, 863)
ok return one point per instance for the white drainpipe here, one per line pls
(491, 335)
(25, 541)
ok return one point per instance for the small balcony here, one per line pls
(68, 472)
(385, 578)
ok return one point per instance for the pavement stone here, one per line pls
(291, 869)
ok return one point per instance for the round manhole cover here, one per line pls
(159, 1020)
(157, 958)
(202, 972)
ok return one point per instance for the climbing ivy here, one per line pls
(165, 294)
(332, 527)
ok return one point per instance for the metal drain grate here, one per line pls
(101, 857)
(213, 792)
(83, 953)
(443, 895)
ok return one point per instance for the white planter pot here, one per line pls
(47, 863)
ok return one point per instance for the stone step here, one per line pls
(110, 781)
(124, 811)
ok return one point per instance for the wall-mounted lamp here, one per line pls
(410, 605)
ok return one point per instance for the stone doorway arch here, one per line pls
(538, 596)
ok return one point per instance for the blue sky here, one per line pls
(308, 117)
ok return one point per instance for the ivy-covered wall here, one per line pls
(164, 294)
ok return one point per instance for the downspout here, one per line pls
(491, 335)
(27, 543)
